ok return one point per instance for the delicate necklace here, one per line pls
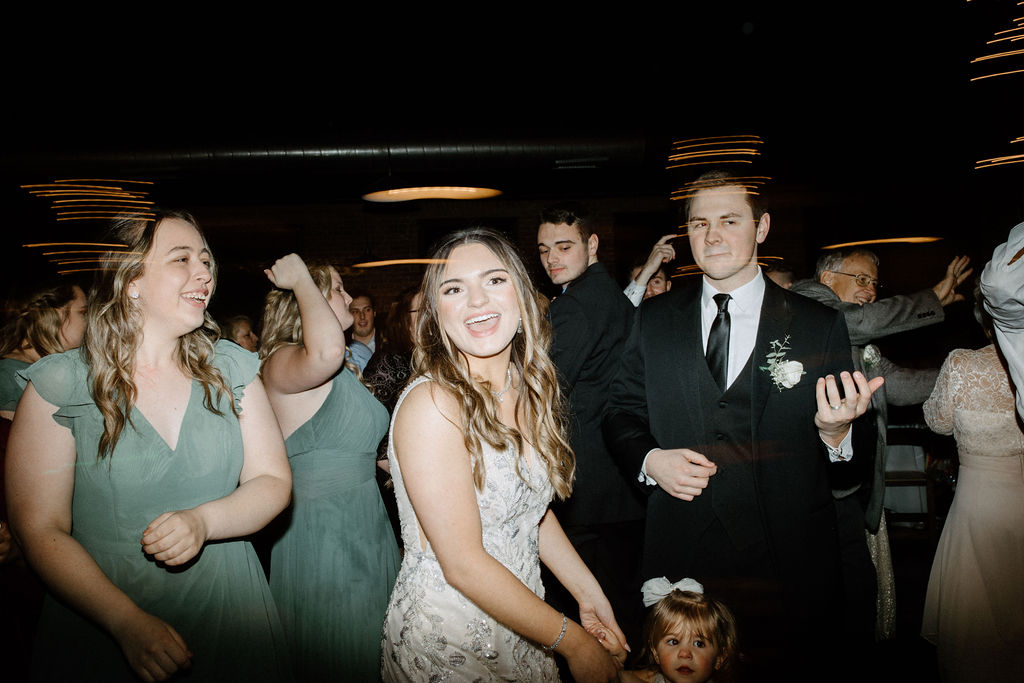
(500, 395)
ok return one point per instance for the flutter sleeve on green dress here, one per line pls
(219, 602)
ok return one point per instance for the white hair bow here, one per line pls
(656, 589)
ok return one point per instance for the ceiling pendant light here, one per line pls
(392, 190)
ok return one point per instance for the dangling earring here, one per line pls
(133, 294)
(520, 329)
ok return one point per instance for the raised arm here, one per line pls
(294, 369)
(40, 481)
(436, 469)
(890, 315)
(264, 490)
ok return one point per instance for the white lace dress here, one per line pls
(974, 609)
(434, 633)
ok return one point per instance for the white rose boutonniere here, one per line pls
(785, 373)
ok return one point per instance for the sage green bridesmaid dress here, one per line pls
(332, 570)
(219, 602)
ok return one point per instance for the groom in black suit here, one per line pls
(729, 408)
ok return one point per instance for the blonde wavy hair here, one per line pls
(36, 321)
(114, 329)
(282, 324)
(540, 401)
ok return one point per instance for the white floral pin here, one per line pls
(871, 356)
(785, 373)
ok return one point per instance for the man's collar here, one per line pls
(746, 297)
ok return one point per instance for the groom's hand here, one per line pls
(682, 473)
(834, 414)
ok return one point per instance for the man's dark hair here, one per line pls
(572, 214)
(719, 178)
(358, 293)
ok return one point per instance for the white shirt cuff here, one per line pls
(634, 292)
(642, 477)
(845, 450)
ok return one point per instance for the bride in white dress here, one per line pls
(477, 452)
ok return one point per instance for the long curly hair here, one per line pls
(114, 329)
(35, 322)
(282, 324)
(540, 401)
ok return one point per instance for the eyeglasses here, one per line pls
(862, 279)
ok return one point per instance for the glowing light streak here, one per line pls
(112, 207)
(1015, 28)
(705, 163)
(89, 217)
(75, 244)
(104, 180)
(989, 42)
(999, 163)
(145, 214)
(76, 185)
(73, 251)
(78, 270)
(716, 137)
(889, 240)
(80, 193)
(399, 262)
(101, 199)
(712, 153)
(683, 144)
(1001, 73)
(1009, 53)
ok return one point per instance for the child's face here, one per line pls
(685, 657)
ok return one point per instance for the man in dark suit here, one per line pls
(728, 407)
(590, 321)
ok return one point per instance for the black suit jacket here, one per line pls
(656, 402)
(590, 322)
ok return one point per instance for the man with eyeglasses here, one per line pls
(847, 280)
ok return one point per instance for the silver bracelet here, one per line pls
(552, 646)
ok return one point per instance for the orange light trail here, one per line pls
(890, 240)
(399, 262)
(75, 244)
(1001, 73)
(1009, 53)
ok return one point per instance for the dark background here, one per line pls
(270, 128)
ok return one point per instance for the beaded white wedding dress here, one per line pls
(434, 633)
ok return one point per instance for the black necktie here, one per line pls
(718, 343)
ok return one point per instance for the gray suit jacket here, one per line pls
(903, 386)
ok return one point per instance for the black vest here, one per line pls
(728, 435)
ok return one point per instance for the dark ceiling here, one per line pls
(867, 108)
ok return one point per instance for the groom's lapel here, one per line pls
(774, 325)
(689, 359)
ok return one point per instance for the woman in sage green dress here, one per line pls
(135, 466)
(335, 562)
(50, 320)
